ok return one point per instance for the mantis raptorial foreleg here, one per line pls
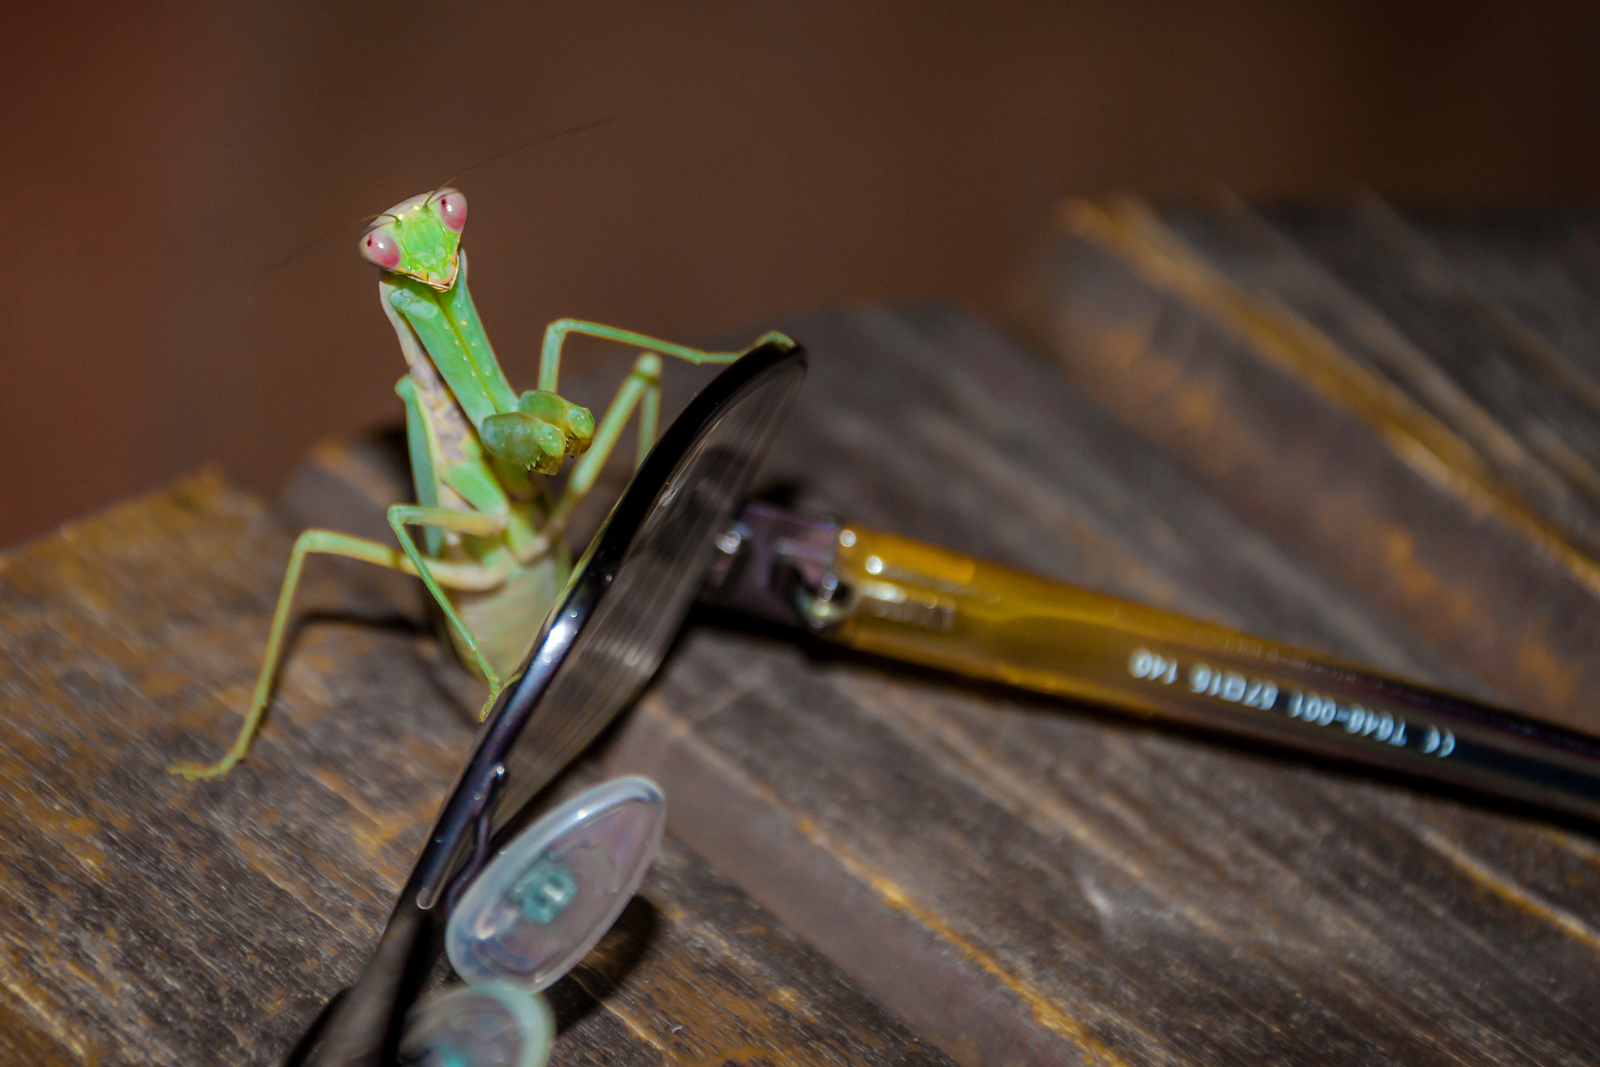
(464, 576)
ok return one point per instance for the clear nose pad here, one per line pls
(534, 912)
(495, 1025)
(540, 906)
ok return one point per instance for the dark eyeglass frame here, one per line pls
(361, 1025)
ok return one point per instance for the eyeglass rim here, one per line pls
(482, 779)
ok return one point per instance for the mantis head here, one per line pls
(420, 237)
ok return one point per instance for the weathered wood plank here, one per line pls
(1530, 391)
(1542, 265)
(1023, 880)
(1224, 367)
(1029, 881)
(1394, 306)
(697, 973)
(148, 920)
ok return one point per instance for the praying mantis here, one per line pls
(492, 553)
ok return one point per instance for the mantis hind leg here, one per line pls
(329, 543)
(556, 334)
(471, 522)
(641, 391)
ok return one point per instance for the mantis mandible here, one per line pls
(492, 554)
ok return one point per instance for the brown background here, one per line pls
(763, 158)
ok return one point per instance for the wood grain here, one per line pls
(149, 920)
(1019, 880)
(1303, 407)
(1027, 881)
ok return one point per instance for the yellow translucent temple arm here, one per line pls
(915, 602)
(911, 601)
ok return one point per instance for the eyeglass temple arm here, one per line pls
(907, 600)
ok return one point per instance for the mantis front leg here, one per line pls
(434, 573)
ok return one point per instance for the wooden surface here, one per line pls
(1017, 880)
(1340, 384)
(1029, 882)
(148, 920)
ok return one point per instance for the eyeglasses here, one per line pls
(618, 614)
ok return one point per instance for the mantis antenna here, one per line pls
(582, 127)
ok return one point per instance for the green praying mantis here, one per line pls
(492, 553)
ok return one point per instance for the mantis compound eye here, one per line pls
(452, 211)
(379, 246)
